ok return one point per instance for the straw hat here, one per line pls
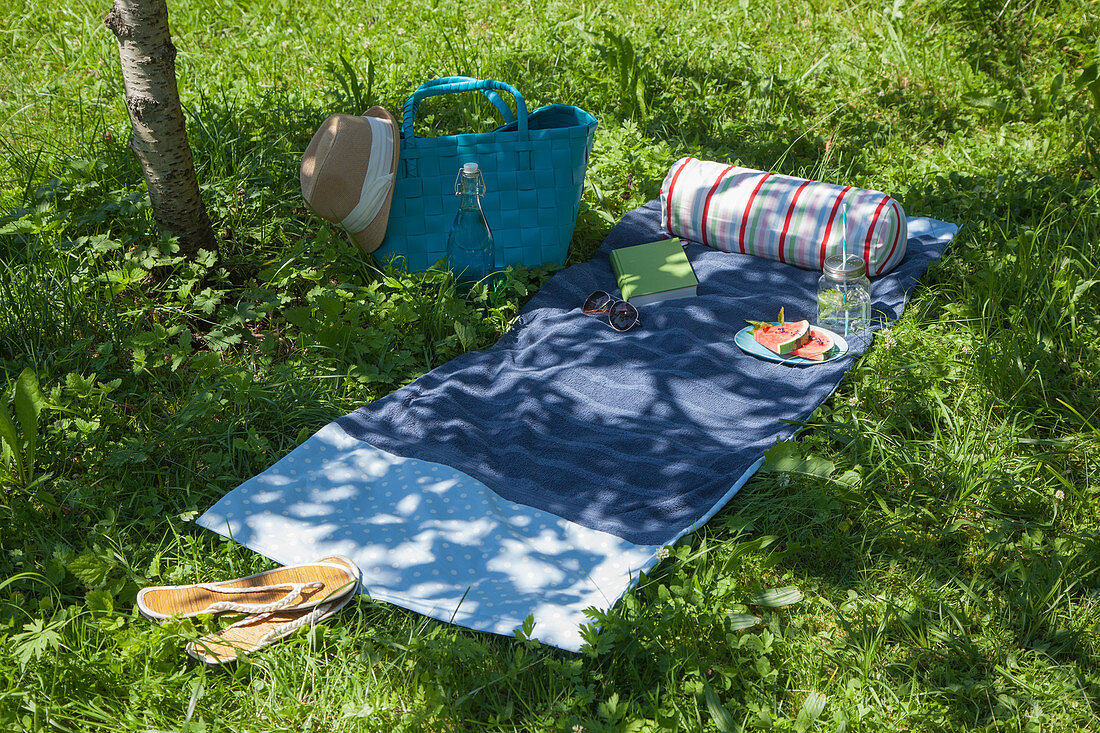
(348, 172)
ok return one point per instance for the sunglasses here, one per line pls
(621, 315)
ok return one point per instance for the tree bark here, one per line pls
(159, 137)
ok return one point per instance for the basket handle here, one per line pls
(457, 84)
(490, 94)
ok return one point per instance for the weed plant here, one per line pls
(926, 556)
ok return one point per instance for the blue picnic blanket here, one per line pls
(540, 476)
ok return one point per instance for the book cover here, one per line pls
(654, 271)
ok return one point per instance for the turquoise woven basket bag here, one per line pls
(533, 165)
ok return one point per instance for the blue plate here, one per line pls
(749, 345)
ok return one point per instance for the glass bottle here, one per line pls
(844, 296)
(470, 251)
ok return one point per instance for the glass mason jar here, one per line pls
(844, 296)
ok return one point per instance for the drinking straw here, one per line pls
(844, 232)
(844, 259)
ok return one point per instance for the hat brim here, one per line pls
(371, 238)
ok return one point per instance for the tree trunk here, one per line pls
(159, 138)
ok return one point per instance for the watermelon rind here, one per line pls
(783, 338)
(817, 344)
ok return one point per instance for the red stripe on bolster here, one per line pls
(897, 235)
(706, 203)
(829, 226)
(871, 231)
(672, 185)
(748, 207)
(787, 221)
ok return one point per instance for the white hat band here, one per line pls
(378, 179)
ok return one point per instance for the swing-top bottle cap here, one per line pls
(469, 169)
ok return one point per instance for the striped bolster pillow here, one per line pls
(779, 217)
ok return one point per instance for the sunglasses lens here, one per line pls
(623, 315)
(596, 302)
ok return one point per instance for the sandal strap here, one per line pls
(286, 629)
(318, 613)
(284, 603)
(272, 636)
(310, 619)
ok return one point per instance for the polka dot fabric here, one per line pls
(430, 538)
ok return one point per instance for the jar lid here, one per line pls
(469, 169)
(840, 268)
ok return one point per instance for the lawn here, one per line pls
(937, 517)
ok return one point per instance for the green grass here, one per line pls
(938, 516)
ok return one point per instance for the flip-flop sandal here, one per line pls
(293, 587)
(255, 632)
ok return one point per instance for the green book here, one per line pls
(654, 271)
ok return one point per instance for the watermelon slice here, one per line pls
(816, 346)
(782, 338)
